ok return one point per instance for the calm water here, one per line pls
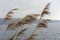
(52, 32)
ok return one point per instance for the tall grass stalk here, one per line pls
(8, 17)
(43, 22)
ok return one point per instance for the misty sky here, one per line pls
(30, 6)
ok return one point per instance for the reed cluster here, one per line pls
(26, 20)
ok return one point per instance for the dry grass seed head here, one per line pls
(26, 20)
(14, 9)
(32, 37)
(12, 26)
(46, 10)
(31, 17)
(12, 38)
(42, 24)
(8, 16)
(36, 15)
(22, 31)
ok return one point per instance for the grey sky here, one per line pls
(27, 6)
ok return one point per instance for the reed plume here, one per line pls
(9, 15)
(16, 35)
(21, 32)
(42, 24)
(11, 26)
(45, 12)
(27, 19)
(12, 38)
(32, 37)
(9, 18)
(14, 9)
(36, 15)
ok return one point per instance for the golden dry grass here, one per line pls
(35, 15)
(11, 26)
(45, 10)
(14, 9)
(16, 35)
(10, 14)
(12, 38)
(28, 19)
(32, 37)
(25, 20)
(43, 24)
(22, 32)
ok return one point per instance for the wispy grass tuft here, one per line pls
(11, 26)
(21, 32)
(10, 14)
(16, 35)
(32, 37)
(45, 12)
(43, 24)
(12, 38)
(27, 19)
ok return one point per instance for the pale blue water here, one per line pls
(52, 32)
